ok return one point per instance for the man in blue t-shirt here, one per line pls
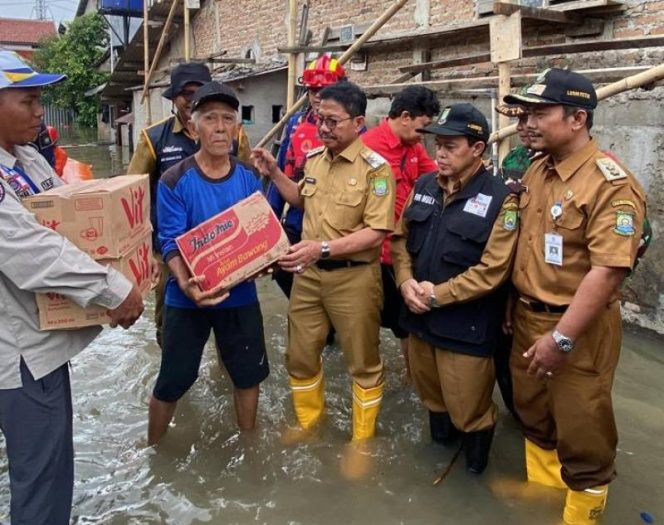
(188, 194)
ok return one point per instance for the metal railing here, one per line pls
(59, 117)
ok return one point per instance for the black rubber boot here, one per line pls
(443, 430)
(477, 446)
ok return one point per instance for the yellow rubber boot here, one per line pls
(543, 466)
(366, 404)
(585, 507)
(308, 399)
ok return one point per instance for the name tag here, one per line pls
(478, 205)
(553, 249)
(426, 199)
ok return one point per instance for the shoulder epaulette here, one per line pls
(373, 159)
(610, 169)
(315, 151)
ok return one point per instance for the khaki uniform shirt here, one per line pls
(345, 194)
(495, 264)
(602, 207)
(35, 259)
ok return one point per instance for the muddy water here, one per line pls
(205, 471)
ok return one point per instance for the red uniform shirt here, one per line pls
(408, 162)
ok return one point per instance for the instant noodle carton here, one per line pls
(103, 217)
(235, 244)
(58, 312)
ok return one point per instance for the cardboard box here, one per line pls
(103, 217)
(235, 244)
(58, 312)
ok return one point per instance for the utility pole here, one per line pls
(40, 9)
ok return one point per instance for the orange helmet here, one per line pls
(324, 71)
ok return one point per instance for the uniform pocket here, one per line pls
(417, 217)
(348, 209)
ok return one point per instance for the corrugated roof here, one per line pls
(22, 31)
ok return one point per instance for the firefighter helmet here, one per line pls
(324, 71)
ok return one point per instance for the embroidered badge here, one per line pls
(379, 186)
(624, 223)
(443, 116)
(615, 204)
(510, 220)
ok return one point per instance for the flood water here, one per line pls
(206, 472)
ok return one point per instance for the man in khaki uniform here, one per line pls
(347, 194)
(452, 251)
(581, 220)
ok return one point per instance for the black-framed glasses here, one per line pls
(330, 123)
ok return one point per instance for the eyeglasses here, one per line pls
(330, 123)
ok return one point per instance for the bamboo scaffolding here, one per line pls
(626, 84)
(146, 56)
(292, 57)
(371, 31)
(160, 47)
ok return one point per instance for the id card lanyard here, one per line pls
(553, 241)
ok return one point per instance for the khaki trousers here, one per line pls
(571, 412)
(351, 300)
(452, 382)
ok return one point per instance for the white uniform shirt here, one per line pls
(35, 259)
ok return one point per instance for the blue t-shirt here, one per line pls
(186, 197)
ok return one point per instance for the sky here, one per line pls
(59, 10)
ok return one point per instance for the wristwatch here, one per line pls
(564, 343)
(324, 250)
(433, 303)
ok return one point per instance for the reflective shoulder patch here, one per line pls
(373, 159)
(610, 169)
(315, 151)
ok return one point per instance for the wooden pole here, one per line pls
(146, 60)
(160, 47)
(292, 57)
(186, 31)
(504, 85)
(626, 84)
(371, 31)
(505, 33)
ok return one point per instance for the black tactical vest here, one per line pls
(443, 242)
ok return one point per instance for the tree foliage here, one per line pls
(77, 53)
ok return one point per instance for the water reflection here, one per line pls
(106, 159)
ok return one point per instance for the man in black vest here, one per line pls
(452, 251)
